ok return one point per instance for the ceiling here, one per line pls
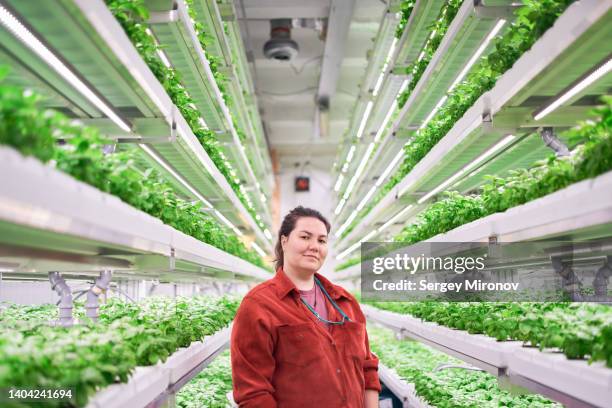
(286, 90)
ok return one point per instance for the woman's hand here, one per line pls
(371, 399)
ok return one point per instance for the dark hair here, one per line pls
(288, 225)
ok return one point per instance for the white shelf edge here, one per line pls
(41, 197)
(403, 390)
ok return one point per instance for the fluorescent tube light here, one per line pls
(394, 218)
(364, 119)
(351, 152)
(496, 29)
(346, 224)
(379, 82)
(383, 125)
(390, 167)
(359, 170)
(21, 32)
(228, 223)
(174, 174)
(581, 85)
(258, 249)
(466, 68)
(340, 205)
(348, 251)
(202, 123)
(267, 234)
(339, 182)
(366, 198)
(505, 141)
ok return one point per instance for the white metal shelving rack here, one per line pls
(152, 386)
(176, 33)
(561, 56)
(50, 221)
(574, 383)
(92, 44)
(579, 212)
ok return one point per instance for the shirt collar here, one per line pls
(284, 286)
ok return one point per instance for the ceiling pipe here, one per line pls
(339, 21)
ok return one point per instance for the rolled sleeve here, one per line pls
(370, 369)
(253, 364)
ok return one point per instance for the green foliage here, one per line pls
(438, 30)
(350, 262)
(132, 15)
(206, 39)
(449, 388)
(405, 9)
(531, 22)
(88, 357)
(32, 131)
(592, 158)
(209, 388)
(579, 330)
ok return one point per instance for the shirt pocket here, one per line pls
(298, 344)
(353, 339)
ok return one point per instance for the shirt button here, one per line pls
(338, 370)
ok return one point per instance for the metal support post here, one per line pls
(93, 294)
(58, 284)
(553, 142)
(571, 282)
(602, 277)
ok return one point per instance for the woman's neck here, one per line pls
(303, 280)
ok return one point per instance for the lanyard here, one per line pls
(314, 312)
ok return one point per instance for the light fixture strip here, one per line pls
(258, 249)
(364, 119)
(346, 224)
(359, 170)
(174, 174)
(383, 125)
(574, 90)
(340, 206)
(505, 141)
(33, 43)
(366, 198)
(390, 167)
(228, 223)
(339, 182)
(394, 218)
(466, 68)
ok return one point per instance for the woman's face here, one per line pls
(306, 246)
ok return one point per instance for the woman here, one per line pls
(298, 340)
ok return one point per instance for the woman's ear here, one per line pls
(283, 241)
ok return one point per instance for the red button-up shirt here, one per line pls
(282, 357)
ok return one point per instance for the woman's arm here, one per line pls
(253, 363)
(371, 399)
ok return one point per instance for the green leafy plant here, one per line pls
(449, 388)
(406, 8)
(132, 15)
(438, 30)
(88, 357)
(531, 22)
(33, 131)
(210, 387)
(497, 194)
(580, 330)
